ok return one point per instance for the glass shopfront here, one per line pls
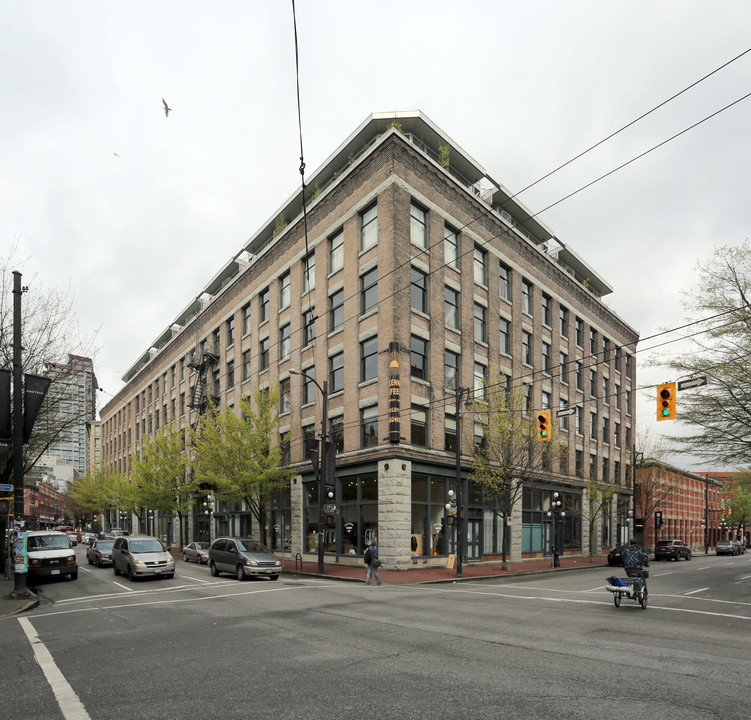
(278, 523)
(538, 527)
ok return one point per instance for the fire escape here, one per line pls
(204, 390)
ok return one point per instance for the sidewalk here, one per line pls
(10, 606)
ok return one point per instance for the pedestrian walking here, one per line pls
(373, 562)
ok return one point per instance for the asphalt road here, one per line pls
(540, 646)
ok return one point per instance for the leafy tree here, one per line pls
(99, 490)
(510, 454)
(49, 333)
(738, 501)
(599, 497)
(160, 477)
(238, 453)
(719, 414)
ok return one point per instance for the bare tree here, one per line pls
(50, 333)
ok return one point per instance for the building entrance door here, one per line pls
(474, 539)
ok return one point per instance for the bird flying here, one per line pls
(167, 108)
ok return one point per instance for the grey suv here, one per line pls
(244, 558)
(141, 555)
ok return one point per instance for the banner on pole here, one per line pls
(35, 389)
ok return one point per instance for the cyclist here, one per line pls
(634, 561)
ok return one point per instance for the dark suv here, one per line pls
(244, 558)
(672, 550)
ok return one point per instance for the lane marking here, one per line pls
(691, 592)
(70, 706)
(706, 567)
(745, 577)
(200, 580)
(122, 586)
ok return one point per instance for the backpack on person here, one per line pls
(367, 557)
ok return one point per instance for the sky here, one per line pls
(135, 211)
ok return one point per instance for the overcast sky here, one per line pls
(137, 211)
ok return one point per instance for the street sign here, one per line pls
(567, 411)
(6, 488)
(692, 383)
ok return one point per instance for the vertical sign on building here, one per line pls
(394, 403)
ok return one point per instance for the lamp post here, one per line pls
(208, 510)
(554, 513)
(150, 522)
(322, 473)
(460, 495)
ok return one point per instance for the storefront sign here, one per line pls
(395, 428)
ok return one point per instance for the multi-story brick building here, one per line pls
(413, 253)
(673, 504)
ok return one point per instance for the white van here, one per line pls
(50, 554)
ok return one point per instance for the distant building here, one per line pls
(674, 504)
(729, 523)
(75, 405)
(418, 267)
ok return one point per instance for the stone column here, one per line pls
(395, 513)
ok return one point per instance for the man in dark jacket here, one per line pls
(634, 560)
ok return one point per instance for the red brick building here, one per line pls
(671, 503)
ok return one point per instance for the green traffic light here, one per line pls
(665, 411)
(543, 433)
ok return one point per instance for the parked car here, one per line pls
(739, 546)
(197, 552)
(672, 550)
(74, 536)
(726, 547)
(99, 553)
(50, 554)
(615, 556)
(141, 555)
(244, 558)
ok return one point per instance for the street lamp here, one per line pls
(322, 472)
(150, 522)
(554, 513)
(460, 495)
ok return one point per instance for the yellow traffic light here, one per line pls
(543, 425)
(666, 401)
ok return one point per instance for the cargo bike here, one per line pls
(632, 588)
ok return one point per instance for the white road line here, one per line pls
(201, 580)
(122, 586)
(745, 577)
(706, 567)
(691, 592)
(81, 567)
(70, 706)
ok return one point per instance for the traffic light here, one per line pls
(543, 425)
(666, 401)
(4, 506)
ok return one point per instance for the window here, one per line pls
(617, 472)
(593, 467)
(369, 359)
(284, 291)
(173, 376)
(418, 229)
(628, 437)
(606, 430)
(547, 311)
(285, 401)
(617, 434)
(563, 317)
(527, 396)
(336, 372)
(593, 425)
(230, 374)
(263, 303)
(579, 467)
(527, 297)
(368, 291)
(481, 266)
(419, 358)
(336, 310)
(545, 400)
(605, 350)
(628, 402)
(263, 353)
(156, 389)
(246, 365)
(546, 350)
(336, 252)
(308, 327)
(480, 382)
(418, 294)
(284, 447)
(284, 342)
(564, 418)
(579, 420)
(579, 376)
(579, 333)
(450, 369)
(449, 433)
(526, 347)
(450, 247)
(617, 358)
(505, 282)
(481, 330)
(593, 341)
(336, 432)
(230, 331)
(182, 377)
(309, 273)
(246, 319)
(308, 385)
(419, 426)
(563, 362)
(369, 227)
(605, 470)
(593, 383)
(505, 327)
(605, 393)
(369, 426)
(629, 367)
(451, 307)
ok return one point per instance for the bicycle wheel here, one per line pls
(617, 599)
(643, 599)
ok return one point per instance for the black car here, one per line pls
(615, 556)
(672, 550)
